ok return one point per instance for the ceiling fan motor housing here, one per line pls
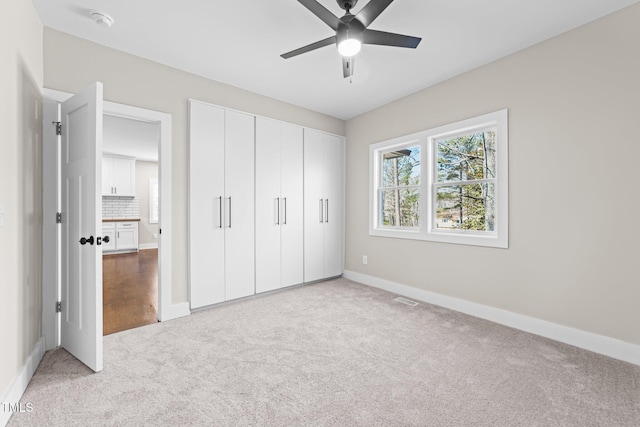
(347, 4)
(349, 28)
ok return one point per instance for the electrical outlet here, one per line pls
(155, 235)
(364, 259)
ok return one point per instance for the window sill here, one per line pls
(492, 241)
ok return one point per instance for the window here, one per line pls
(448, 184)
(399, 191)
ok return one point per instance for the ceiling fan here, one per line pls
(351, 31)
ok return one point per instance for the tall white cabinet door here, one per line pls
(239, 166)
(268, 206)
(313, 206)
(291, 200)
(206, 203)
(334, 205)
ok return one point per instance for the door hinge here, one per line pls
(58, 306)
(58, 217)
(58, 128)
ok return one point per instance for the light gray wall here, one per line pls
(572, 103)
(20, 186)
(574, 150)
(70, 64)
(144, 172)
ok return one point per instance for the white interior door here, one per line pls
(81, 273)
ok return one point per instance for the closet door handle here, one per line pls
(326, 210)
(321, 220)
(220, 212)
(278, 210)
(229, 211)
(285, 211)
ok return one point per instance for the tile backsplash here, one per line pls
(120, 207)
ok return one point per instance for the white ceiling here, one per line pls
(131, 138)
(239, 42)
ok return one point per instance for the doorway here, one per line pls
(130, 215)
(51, 205)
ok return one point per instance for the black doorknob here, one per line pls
(106, 239)
(84, 241)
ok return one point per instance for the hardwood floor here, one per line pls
(130, 290)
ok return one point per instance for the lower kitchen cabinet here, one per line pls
(123, 236)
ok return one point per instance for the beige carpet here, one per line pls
(335, 353)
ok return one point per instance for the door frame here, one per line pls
(51, 204)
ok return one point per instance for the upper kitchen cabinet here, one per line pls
(118, 176)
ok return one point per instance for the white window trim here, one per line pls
(499, 238)
(405, 144)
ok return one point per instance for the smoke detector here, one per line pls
(101, 18)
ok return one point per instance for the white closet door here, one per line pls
(292, 232)
(269, 209)
(206, 199)
(239, 166)
(313, 206)
(334, 201)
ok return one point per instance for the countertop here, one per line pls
(120, 219)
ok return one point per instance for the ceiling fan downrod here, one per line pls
(347, 4)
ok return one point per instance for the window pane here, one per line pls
(400, 208)
(401, 168)
(467, 157)
(466, 207)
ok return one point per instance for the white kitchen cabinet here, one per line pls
(108, 231)
(118, 176)
(221, 204)
(279, 205)
(323, 205)
(126, 235)
(123, 236)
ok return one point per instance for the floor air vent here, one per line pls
(406, 301)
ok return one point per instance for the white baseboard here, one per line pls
(16, 390)
(174, 311)
(143, 246)
(589, 341)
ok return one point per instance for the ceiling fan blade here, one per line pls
(321, 12)
(347, 66)
(310, 47)
(371, 11)
(389, 39)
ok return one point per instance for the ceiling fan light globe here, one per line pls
(349, 47)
